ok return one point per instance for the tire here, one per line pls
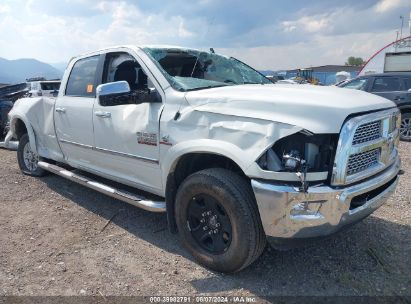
(27, 159)
(232, 204)
(405, 129)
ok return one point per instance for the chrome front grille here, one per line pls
(362, 161)
(368, 132)
(367, 145)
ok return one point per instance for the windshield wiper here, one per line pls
(247, 82)
(207, 87)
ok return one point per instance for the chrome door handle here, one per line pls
(103, 114)
(61, 110)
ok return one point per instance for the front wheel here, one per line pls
(218, 220)
(405, 128)
(28, 159)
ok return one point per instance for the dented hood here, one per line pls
(317, 109)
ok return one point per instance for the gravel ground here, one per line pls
(57, 239)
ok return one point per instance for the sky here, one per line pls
(267, 34)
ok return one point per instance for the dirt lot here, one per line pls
(53, 242)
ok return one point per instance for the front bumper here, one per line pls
(288, 213)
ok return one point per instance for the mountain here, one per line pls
(61, 66)
(15, 71)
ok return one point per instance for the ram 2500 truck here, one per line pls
(233, 159)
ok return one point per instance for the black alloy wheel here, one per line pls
(218, 220)
(209, 224)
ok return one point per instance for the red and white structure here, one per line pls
(394, 57)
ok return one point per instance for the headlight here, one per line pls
(292, 160)
(289, 154)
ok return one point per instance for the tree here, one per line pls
(356, 61)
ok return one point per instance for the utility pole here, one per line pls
(409, 24)
(402, 25)
(396, 41)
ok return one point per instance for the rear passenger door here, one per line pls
(390, 87)
(74, 112)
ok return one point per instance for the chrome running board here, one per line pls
(11, 145)
(131, 198)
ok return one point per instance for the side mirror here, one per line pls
(113, 93)
(118, 87)
(119, 93)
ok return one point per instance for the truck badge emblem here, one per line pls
(145, 138)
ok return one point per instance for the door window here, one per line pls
(124, 67)
(356, 84)
(82, 78)
(386, 84)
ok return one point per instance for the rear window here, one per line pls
(82, 78)
(408, 84)
(386, 84)
(50, 86)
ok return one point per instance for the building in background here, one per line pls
(326, 74)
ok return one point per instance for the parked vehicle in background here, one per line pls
(5, 107)
(275, 78)
(233, 159)
(342, 76)
(12, 92)
(8, 94)
(48, 88)
(393, 86)
(287, 81)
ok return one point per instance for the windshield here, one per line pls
(188, 70)
(356, 84)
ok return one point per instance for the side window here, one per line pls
(407, 83)
(124, 67)
(356, 84)
(386, 84)
(82, 78)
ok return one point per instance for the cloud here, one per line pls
(4, 8)
(182, 31)
(311, 24)
(56, 38)
(287, 33)
(321, 50)
(387, 5)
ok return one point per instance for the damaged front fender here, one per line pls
(241, 139)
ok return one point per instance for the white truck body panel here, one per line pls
(239, 122)
(140, 144)
(315, 108)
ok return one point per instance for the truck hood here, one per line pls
(314, 108)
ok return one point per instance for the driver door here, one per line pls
(126, 136)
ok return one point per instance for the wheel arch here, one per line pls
(189, 163)
(405, 109)
(20, 126)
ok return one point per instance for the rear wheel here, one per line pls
(28, 159)
(218, 220)
(405, 128)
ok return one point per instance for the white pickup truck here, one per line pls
(233, 159)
